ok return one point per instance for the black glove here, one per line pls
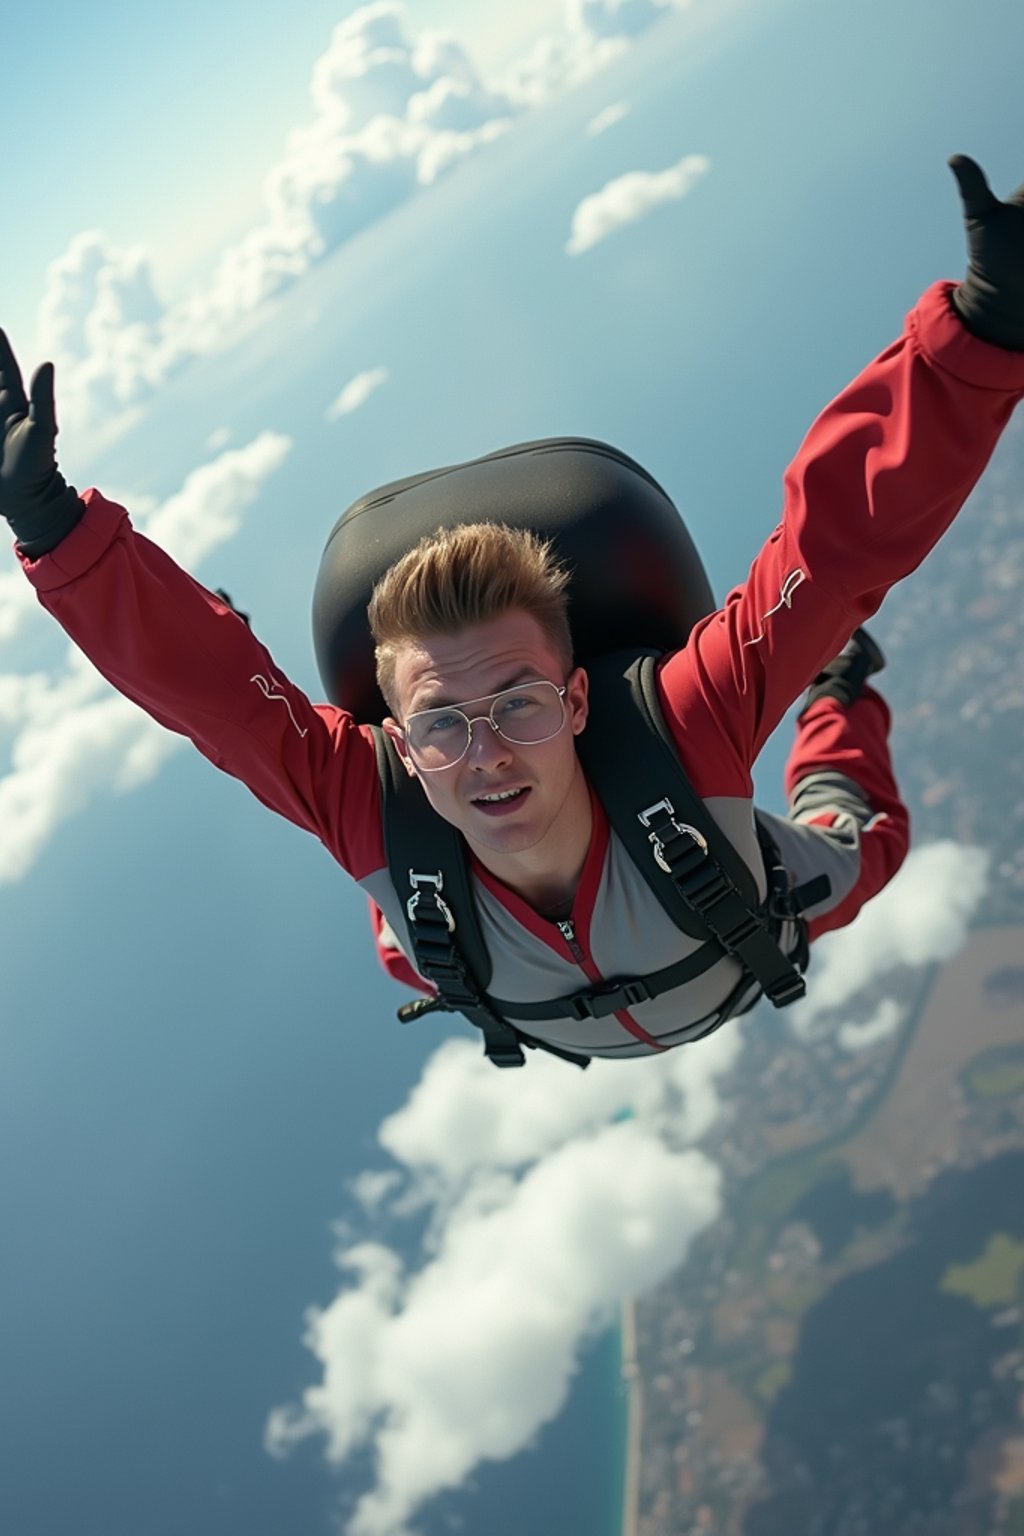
(990, 300)
(34, 496)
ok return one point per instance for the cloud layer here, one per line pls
(390, 113)
(551, 1196)
(922, 917)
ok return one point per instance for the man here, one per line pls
(475, 661)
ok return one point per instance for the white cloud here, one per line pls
(885, 1020)
(461, 1117)
(388, 116)
(209, 507)
(607, 118)
(73, 738)
(390, 113)
(374, 1185)
(629, 198)
(550, 1196)
(465, 1360)
(18, 603)
(559, 62)
(356, 392)
(553, 1195)
(618, 18)
(922, 916)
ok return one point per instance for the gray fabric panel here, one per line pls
(833, 851)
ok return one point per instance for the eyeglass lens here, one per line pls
(526, 715)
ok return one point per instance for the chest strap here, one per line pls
(438, 957)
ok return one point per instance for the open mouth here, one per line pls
(500, 801)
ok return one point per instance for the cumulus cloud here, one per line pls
(209, 508)
(629, 198)
(74, 741)
(389, 113)
(356, 392)
(549, 1196)
(607, 118)
(552, 1197)
(885, 1021)
(923, 916)
(617, 18)
(17, 603)
(72, 737)
(594, 34)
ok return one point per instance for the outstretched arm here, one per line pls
(878, 479)
(172, 647)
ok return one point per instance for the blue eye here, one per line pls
(445, 723)
(517, 702)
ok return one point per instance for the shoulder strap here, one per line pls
(428, 866)
(710, 892)
(419, 842)
(630, 758)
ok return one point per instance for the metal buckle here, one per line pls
(416, 878)
(683, 828)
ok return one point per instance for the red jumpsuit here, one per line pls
(878, 479)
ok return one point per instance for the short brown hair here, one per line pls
(466, 575)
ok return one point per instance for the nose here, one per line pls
(486, 746)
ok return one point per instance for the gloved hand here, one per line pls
(34, 496)
(990, 300)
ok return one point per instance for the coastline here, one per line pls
(631, 1385)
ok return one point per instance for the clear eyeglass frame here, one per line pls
(471, 720)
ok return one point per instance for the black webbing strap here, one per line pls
(600, 1002)
(683, 854)
(710, 892)
(426, 858)
(437, 957)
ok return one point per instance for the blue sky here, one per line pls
(690, 228)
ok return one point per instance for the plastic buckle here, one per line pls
(789, 991)
(601, 1003)
(416, 878)
(681, 828)
(513, 1057)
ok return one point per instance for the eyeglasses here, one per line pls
(527, 715)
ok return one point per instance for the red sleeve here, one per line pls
(192, 664)
(876, 482)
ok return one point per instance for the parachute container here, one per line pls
(637, 579)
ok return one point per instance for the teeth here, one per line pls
(505, 794)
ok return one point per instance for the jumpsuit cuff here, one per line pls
(942, 336)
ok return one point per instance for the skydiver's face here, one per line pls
(548, 818)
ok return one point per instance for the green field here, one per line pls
(993, 1280)
(996, 1074)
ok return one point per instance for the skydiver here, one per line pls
(486, 704)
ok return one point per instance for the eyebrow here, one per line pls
(445, 701)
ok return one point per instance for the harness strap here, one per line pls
(432, 930)
(600, 1002)
(681, 851)
(697, 875)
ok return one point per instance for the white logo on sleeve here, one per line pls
(789, 586)
(268, 691)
